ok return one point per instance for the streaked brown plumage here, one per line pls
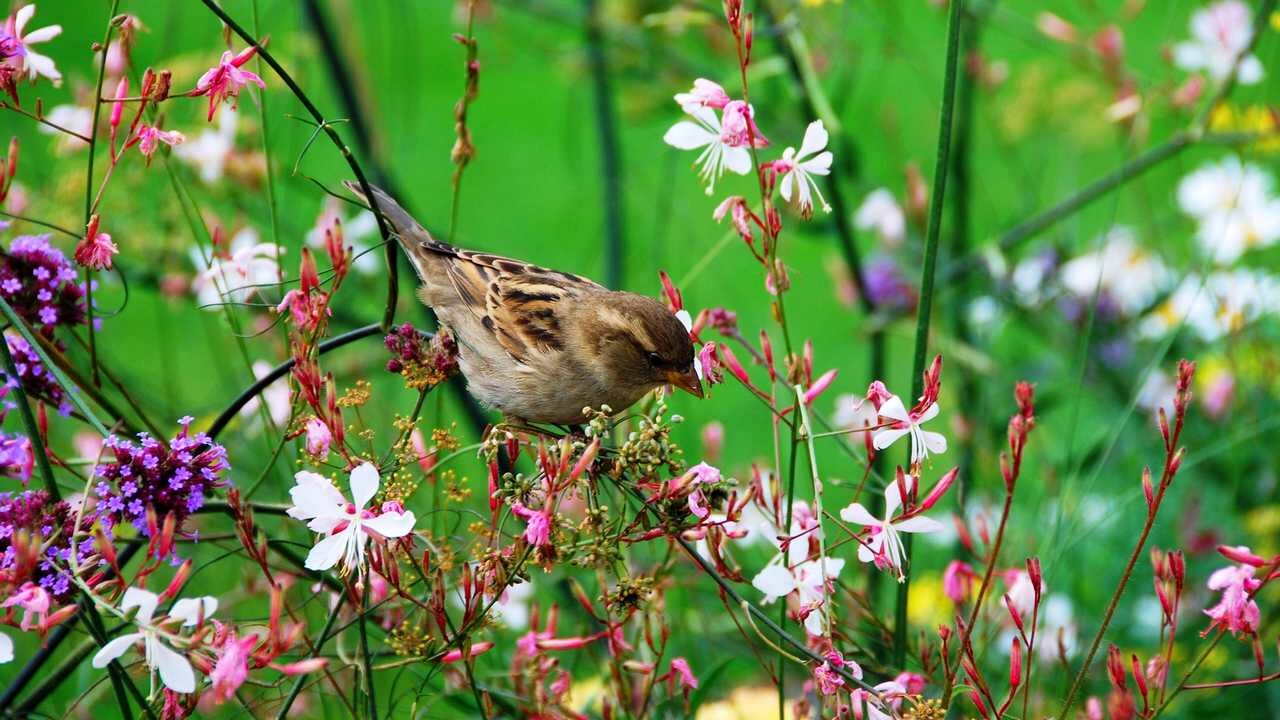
(540, 344)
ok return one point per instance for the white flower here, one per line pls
(798, 168)
(252, 266)
(1219, 33)
(854, 412)
(885, 546)
(1157, 393)
(777, 580)
(1125, 272)
(1222, 304)
(72, 117)
(29, 61)
(209, 150)
(1235, 208)
(175, 671)
(347, 525)
(354, 230)
(6, 648)
(882, 213)
(923, 442)
(720, 150)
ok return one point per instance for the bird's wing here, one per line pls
(520, 303)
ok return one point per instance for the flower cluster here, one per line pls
(152, 476)
(40, 283)
(36, 379)
(17, 58)
(34, 545)
(423, 360)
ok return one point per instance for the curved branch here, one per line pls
(280, 371)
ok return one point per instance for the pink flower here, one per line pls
(826, 676)
(95, 249)
(318, 438)
(232, 667)
(735, 206)
(1236, 612)
(679, 674)
(820, 386)
(34, 601)
(704, 94)
(30, 62)
(723, 142)
(538, 530)
(225, 81)
(149, 138)
(913, 682)
(957, 581)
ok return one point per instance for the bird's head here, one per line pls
(636, 343)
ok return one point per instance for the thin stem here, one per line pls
(43, 121)
(42, 223)
(364, 654)
(941, 170)
(324, 637)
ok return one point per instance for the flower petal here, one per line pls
(175, 670)
(686, 135)
(885, 437)
(114, 649)
(391, 524)
(6, 648)
(856, 513)
(364, 484)
(190, 610)
(774, 581)
(894, 409)
(815, 139)
(314, 496)
(918, 524)
(326, 553)
(935, 442)
(737, 159)
(144, 600)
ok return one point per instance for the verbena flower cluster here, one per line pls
(36, 379)
(175, 477)
(33, 519)
(41, 285)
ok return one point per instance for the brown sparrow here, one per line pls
(541, 345)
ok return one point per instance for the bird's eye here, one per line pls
(654, 359)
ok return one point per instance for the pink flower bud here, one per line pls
(1015, 662)
(820, 386)
(939, 489)
(318, 438)
(1241, 554)
(1055, 28)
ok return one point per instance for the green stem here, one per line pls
(941, 169)
(324, 637)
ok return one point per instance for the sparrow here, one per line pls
(543, 345)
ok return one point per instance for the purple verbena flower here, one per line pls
(32, 269)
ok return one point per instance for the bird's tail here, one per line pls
(410, 232)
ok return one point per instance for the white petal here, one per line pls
(815, 623)
(893, 497)
(894, 409)
(738, 159)
(935, 442)
(919, 524)
(42, 35)
(685, 320)
(326, 553)
(364, 484)
(820, 165)
(391, 524)
(6, 648)
(784, 188)
(22, 17)
(883, 438)
(856, 513)
(867, 551)
(929, 413)
(774, 581)
(815, 139)
(316, 499)
(114, 649)
(1250, 71)
(188, 610)
(144, 600)
(833, 566)
(175, 671)
(686, 135)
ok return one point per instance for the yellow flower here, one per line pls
(1263, 525)
(927, 604)
(748, 703)
(1258, 119)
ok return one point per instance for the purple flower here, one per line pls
(888, 287)
(166, 478)
(33, 512)
(36, 380)
(40, 284)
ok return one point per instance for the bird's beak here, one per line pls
(687, 381)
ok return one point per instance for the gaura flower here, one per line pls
(724, 143)
(881, 213)
(704, 94)
(318, 438)
(347, 525)
(885, 547)
(923, 442)
(29, 61)
(225, 80)
(34, 601)
(149, 138)
(1219, 33)
(232, 666)
(880, 704)
(798, 169)
(1236, 611)
(1235, 207)
(538, 530)
(235, 278)
(175, 671)
(6, 648)
(95, 249)
(1121, 269)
